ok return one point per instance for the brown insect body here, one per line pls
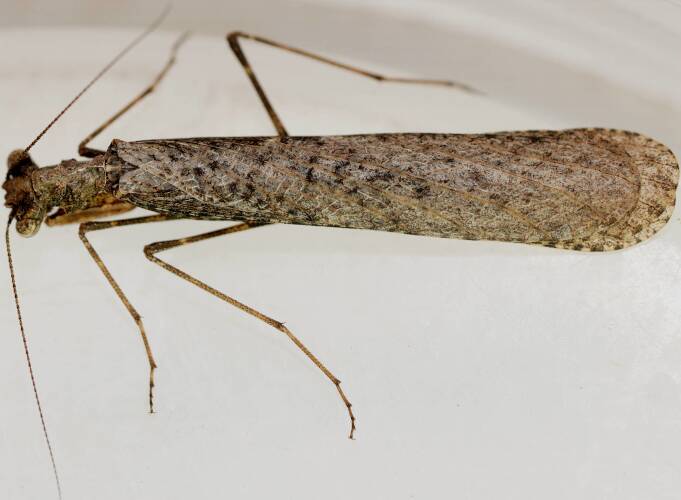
(584, 189)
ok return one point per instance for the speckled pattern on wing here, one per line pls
(582, 189)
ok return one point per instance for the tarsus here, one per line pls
(28, 356)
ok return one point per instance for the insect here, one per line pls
(584, 189)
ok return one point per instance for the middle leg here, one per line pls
(151, 250)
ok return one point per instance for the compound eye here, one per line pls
(18, 162)
(28, 227)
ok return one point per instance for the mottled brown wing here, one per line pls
(582, 189)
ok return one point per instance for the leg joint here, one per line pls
(232, 36)
(84, 228)
(153, 248)
(150, 250)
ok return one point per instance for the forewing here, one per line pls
(591, 189)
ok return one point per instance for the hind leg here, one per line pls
(233, 40)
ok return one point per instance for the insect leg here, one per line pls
(233, 40)
(88, 152)
(151, 250)
(97, 226)
(106, 209)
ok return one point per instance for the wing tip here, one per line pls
(659, 179)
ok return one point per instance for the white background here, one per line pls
(477, 369)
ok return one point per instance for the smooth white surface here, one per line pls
(477, 370)
(610, 62)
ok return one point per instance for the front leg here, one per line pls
(109, 206)
(97, 226)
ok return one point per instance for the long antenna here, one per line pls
(106, 68)
(28, 355)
